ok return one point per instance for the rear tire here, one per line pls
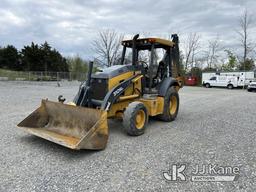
(135, 119)
(207, 85)
(230, 86)
(171, 105)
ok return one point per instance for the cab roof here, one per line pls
(145, 43)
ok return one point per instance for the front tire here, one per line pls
(230, 86)
(207, 85)
(171, 105)
(135, 119)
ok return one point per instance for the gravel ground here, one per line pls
(213, 126)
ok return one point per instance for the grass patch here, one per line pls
(24, 75)
(14, 75)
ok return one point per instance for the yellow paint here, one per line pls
(173, 105)
(157, 40)
(67, 141)
(140, 119)
(122, 98)
(154, 106)
(118, 79)
(118, 108)
(71, 103)
(137, 78)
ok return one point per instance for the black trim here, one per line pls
(151, 67)
(165, 84)
(170, 59)
(134, 49)
(176, 53)
(123, 55)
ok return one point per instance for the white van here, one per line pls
(224, 81)
(221, 79)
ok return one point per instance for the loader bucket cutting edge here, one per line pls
(71, 126)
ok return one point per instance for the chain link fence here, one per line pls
(42, 76)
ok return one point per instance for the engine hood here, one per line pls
(113, 71)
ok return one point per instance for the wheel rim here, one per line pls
(140, 119)
(173, 105)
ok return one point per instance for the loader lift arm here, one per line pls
(115, 93)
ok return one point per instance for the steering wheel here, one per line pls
(144, 63)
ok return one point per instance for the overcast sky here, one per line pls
(69, 26)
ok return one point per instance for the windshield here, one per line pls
(143, 56)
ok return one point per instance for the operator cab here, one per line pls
(144, 53)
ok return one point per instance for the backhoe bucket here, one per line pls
(71, 126)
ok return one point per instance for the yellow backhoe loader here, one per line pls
(132, 92)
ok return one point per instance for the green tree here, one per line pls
(77, 64)
(46, 51)
(232, 62)
(9, 58)
(42, 58)
(208, 69)
(78, 67)
(247, 65)
(57, 62)
(32, 58)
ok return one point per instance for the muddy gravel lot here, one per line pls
(214, 127)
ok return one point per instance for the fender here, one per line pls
(115, 93)
(165, 84)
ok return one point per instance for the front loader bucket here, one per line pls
(71, 126)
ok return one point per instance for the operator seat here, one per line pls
(158, 74)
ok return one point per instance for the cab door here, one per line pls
(213, 81)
